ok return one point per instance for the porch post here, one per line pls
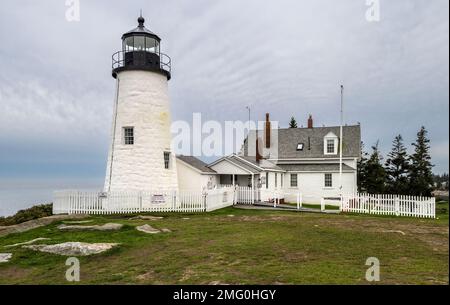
(253, 188)
(233, 180)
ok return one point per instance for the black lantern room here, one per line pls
(141, 51)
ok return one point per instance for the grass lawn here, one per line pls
(253, 247)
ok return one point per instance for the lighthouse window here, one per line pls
(139, 43)
(128, 135)
(166, 159)
(128, 44)
(151, 45)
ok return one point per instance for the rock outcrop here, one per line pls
(148, 229)
(105, 227)
(73, 248)
(27, 242)
(36, 223)
(5, 257)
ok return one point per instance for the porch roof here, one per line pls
(238, 163)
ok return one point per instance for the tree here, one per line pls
(441, 182)
(293, 123)
(375, 173)
(420, 173)
(397, 166)
(362, 170)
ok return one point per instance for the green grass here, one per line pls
(253, 247)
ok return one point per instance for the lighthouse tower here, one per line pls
(140, 156)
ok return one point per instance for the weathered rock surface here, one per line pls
(165, 230)
(5, 257)
(27, 242)
(105, 227)
(144, 217)
(36, 223)
(148, 229)
(73, 248)
(77, 222)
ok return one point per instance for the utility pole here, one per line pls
(248, 108)
(248, 131)
(341, 139)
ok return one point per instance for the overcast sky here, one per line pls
(283, 57)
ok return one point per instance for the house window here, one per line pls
(128, 135)
(294, 182)
(276, 180)
(267, 180)
(300, 146)
(330, 146)
(328, 180)
(281, 175)
(166, 159)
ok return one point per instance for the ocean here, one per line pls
(16, 194)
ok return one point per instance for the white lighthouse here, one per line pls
(140, 156)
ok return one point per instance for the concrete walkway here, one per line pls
(282, 207)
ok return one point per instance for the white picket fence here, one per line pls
(76, 202)
(247, 195)
(220, 198)
(384, 204)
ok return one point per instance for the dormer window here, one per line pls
(300, 146)
(330, 146)
(330, 143)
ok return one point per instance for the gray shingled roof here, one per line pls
(265, 164)
(252, 168)
(196, 163)
(314, 167)
(312, 138)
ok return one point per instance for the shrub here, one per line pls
(35, 212)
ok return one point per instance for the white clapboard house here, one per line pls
(296, 160)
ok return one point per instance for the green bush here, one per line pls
(35, 212)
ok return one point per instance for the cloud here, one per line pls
(284, 57)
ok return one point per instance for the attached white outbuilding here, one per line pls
(195, 175)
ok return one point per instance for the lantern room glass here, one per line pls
(140, 43)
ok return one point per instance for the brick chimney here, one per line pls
(267, 130)
(310, 122)
(258, 155)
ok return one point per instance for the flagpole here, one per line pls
(341, 139)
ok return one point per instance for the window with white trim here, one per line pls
(128, 135)
(276, 180)
(294, 180)
(328, 180)
(167, 159)
(330, 146)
